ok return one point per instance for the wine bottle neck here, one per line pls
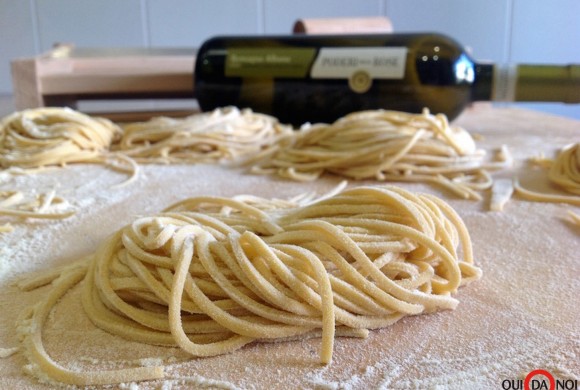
(536, 83)
(482, 88)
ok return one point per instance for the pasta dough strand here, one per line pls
(564, 172)
(43, 206)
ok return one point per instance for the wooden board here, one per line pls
(66, 75)
(523, 315)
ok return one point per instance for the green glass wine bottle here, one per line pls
(303, 78)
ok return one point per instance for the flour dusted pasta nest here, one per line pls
(53, 136)
(387, 146)
(210, 274)
(224, 134)
(565, 170)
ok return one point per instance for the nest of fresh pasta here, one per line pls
(211, 275)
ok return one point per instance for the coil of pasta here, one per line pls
(53, 136)
(211, 275)
(224, 134)
(387, 146)
(564, 172)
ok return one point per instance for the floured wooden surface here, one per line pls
(522, 315)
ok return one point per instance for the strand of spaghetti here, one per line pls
(35, 348)
(44, 277)
(184, 254)
(267, 287)
(326, 302)
(344, 296)
(14, 203)
(342, 241)
(132, 170)
(34, 214)
(574, 217)
(46, 201)
(6, 228)
(115, 323)
(501, 193)
(252, 305)
(242, 326)
(103, 259)
(7, 352)
(543, 197)
(11, 198)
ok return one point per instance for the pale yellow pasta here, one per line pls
(53, 136)
(33, 139)
(380, 145)
(564, 171)
(16, 204)
(537, 196)
(501, 193)
(223, 135)
(6, 228)
(387, 146)
(210, 274)
(574, 217)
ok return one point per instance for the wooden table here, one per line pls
(521, 316)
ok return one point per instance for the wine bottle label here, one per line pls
(359, 65)
(343, 62)
(269, 62)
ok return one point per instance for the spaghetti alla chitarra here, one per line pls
(36, 138)
(564, 172)
(212, 274)
(381, 145)
(387, 146)
(53, 136)
(57, 136)
(223, 135)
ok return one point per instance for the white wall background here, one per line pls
(535, 31)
